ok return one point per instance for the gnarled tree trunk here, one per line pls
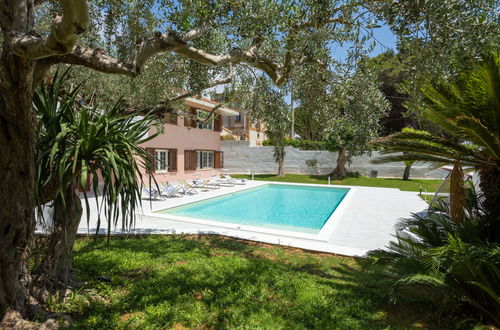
(17, 168)
(281, 169)
(340, 171)
(279, 156)
(406, 174)
(55, 268)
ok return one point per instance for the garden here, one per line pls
(83, 85)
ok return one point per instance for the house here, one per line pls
(242, 128)
(189, 147)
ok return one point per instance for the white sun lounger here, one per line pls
(152, 193)
(169, 191)
(235, 181)
(222, 182)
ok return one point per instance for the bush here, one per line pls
(435, 257)
(301, 144)
(228, 137)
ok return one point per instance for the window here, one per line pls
(161, 160)
(203, 123)
(205, 159)
(238, 116)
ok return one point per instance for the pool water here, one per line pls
(287, 207)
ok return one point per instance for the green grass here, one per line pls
(215, 282)
(409, 185)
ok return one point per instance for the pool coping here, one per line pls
(324, 234)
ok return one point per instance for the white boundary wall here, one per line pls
(239, 157)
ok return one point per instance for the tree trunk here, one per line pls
(17, 167)
(281, 169)
(490, 186)
(55, 268)
(457, 193)
(406, 174)
(340, 171)
(279, 157)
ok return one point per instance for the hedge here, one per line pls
(301, 144)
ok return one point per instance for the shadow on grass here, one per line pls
(216, 282)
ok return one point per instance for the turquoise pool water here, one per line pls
(288, 207)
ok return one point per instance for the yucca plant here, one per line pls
(435, 257)
(78, 145)
(468, 112)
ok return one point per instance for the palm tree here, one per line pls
(76, 145)
(468, 112)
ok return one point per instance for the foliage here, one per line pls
(215, 282)
(392, 73)
(435, 256)
(83, 142)
(267, 104)
(468, 112)
(228, 137)
(117, 26)
(440, 39)
(409, 185)
(357, 106)
(300, 144)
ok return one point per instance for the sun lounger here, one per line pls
(235, 181)
(222, 182)
(205, 184)
(152, 193)
(169, 191)
(185, 188)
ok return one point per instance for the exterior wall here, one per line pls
(243, 130)
(255, 138)
(184, 138)
(239, 157)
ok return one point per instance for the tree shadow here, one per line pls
(218, 282)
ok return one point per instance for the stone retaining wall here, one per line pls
(239, 157)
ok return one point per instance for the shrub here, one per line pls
(435, 257)
(228, 137)
(301, 144)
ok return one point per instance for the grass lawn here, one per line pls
(214, 282)
(410, 185)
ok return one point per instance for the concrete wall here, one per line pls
(239, 157)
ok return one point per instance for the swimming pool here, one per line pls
(296, 208)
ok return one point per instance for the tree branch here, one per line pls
(166, 106)
(63, 35)
(214, 83)
(178, 43)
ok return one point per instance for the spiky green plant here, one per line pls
(79, 144)
(438, 258)
(468, 112)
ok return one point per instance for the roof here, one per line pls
(208, 104)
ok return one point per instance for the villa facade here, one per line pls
(242, 128)
(189, 148)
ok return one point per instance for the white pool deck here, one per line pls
(365, 223)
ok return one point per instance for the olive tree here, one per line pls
(121, 38)
(355, 111)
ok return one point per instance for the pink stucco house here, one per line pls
(187, 148)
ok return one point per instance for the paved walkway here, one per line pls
(367, 221)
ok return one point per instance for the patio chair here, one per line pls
(185, 188)
(235, 181)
